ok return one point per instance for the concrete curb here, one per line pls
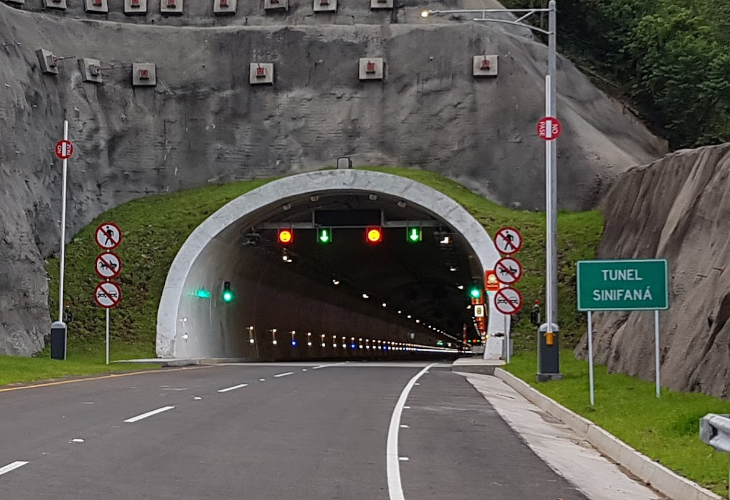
(656, 475)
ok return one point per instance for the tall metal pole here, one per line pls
(551, 156)
(63, 228)
(657, 360)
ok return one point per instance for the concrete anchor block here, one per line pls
(261, 73)
(222, 7)
(90, 70)
(371, 68)
(144, 75)
(485, 65)
(135, 7)
(381, 4)
(15, 2)
(325, 6)
(48, 61)
(96, 6)
(55, 4)
(276, 5)
(171, 7)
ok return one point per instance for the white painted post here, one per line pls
(507, 335)
(63, 228)
(656, 353)
(107, 336)
(590, 356)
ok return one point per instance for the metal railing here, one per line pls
(715, 431)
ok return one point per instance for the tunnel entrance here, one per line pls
(329, 264)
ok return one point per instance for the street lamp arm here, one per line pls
(484, 19)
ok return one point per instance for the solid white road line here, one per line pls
(148, 414)
(11, 467)
(395, 488)
(233, 388)
(283, 374)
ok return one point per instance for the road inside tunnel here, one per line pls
(346, 297)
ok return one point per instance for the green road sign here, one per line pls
(622, 285)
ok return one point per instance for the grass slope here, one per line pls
(665, 429)
(155, 228)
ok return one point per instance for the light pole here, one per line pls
(549, 358)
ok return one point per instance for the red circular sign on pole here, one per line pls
(508, 240)
(108, 266)
(108, 236)
(549, 128)
(108, 294)
(508, 301)
(64, 149)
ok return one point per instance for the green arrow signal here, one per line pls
(325, 236)
(414, 234)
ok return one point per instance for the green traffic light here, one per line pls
(227, 294)
(475, 292)
(414, 234)
(324, 236)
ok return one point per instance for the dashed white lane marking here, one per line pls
(262, 380)
(11, 467)
(148, 414)
(404, 426)
(403, 459)
(304, 369)
(233, 388)
(327, 366)
(283, 374)
(395, 487)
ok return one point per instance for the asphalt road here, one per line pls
(301, 431)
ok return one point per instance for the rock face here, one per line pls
(204, 123)
(677, 208)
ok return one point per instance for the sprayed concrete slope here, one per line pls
(204, 123)
(677, 208)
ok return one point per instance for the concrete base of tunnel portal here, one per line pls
(190, 329)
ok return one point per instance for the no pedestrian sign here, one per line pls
(108, 236)
(508, 301)
(64, 149)
(508, 240)
(622, 285)
(108, 295)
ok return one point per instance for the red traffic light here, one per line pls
(286, 236)
(373, 235)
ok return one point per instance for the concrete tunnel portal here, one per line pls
(345, 299)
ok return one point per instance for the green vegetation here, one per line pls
(669, 57)
(665, 429)
(155, 228)
(88, 362)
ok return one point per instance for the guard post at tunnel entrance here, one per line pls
(363, 293)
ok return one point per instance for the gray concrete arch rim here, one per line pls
(413, 192)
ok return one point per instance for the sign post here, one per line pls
(623, 285)
(507, 272)
(108, 266)
(64, 149)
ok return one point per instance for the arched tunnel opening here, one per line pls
(332, 264)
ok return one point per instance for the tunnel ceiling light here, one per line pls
(365, 296)
(418, 321)
(335, 282)
(399, 311)
(373, 234)
(409, 316)
(460, 287)
(453, 269)
(385, 304)
(446, 240)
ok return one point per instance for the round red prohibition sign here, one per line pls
(509, 270)
(108, 236)
(108, 295)
(64, 149)
(508, 301)
(108, 266)
(508, 240)
(549, 128)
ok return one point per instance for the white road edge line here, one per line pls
(395, 488)
(11, 467)
(283, 374)
(239, 386)
(148, 414)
